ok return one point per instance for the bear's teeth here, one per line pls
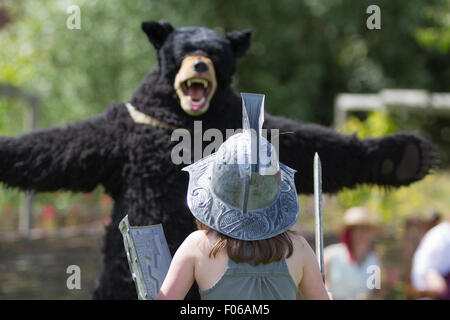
(204, 82)
(201, 81)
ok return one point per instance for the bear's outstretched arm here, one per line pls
(75, 157)
(347, 161)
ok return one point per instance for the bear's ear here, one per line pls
(240, 41)
(157, 31)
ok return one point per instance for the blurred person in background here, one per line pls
(430, 273)
(348, 264)
(433, 218)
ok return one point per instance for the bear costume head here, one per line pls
(194, 70)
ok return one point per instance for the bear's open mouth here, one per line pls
(195, 85)
(196, 91)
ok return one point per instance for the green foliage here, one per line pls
(12, 117)
(377, 124)
(437, 36)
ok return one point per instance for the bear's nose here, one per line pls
(200, 67)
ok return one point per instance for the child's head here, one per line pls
(359, 228)
(257, 251)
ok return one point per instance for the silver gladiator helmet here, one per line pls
(242, 190)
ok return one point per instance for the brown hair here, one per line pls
(262, 251)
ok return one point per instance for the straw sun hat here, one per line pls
(360, 217)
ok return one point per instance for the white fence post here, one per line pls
(391, 99)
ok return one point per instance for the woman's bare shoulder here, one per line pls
(202, 240)
(197, 235)
(302, 250)
(298, 241)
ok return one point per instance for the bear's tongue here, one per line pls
(196, 91)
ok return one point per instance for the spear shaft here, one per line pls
(318, 213)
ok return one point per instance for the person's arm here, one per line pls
(75, 157)
(393, 160)
(180, 276)
(436, 283)
(311, 287)
(427, 262)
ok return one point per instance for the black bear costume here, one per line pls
(128, 148)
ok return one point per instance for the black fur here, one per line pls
(133, 161)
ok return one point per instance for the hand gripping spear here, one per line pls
(318, 212)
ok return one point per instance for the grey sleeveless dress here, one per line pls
(243, 281)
